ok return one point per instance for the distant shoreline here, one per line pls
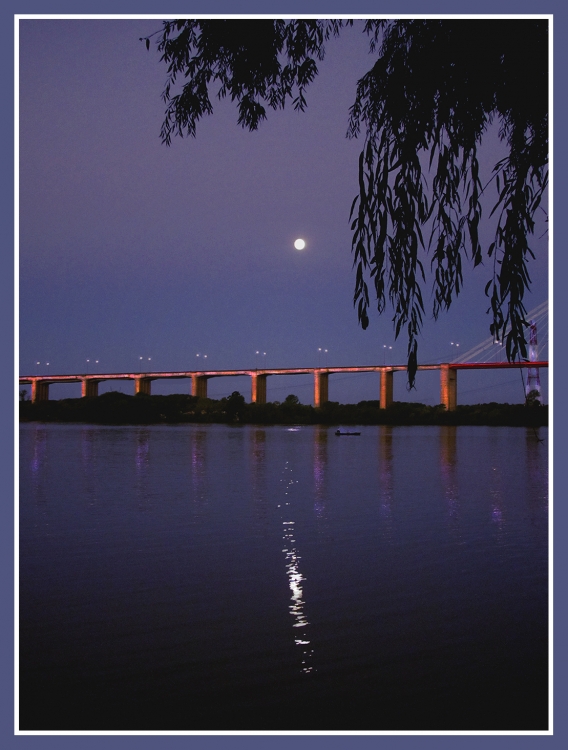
(115, 408)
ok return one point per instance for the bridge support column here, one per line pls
(142, 385)
(320, 387)
(89, 388)
(386, 388)
(448, 387)
(199, 386)
(258, 388)
(40, 391)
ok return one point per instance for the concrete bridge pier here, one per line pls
(258, 388)
(142, 385)
(89, 388)
(199, 386)
(321, 378)
(40, 391)
(387, 377)
(448, 386)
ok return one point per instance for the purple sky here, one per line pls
(129, 248)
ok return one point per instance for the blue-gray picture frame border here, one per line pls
(9, 9)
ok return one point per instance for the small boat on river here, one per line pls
(338, 432)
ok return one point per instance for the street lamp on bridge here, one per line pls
(321, 352)
(141, 360)
(500, 344)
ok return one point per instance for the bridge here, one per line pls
(142, 381)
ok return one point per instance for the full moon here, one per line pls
(299, 244)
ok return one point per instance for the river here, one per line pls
(208, 578)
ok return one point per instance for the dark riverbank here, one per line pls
(120, 408)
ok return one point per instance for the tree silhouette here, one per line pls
(434, 90)
(291, 400)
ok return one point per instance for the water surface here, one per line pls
(205, 577)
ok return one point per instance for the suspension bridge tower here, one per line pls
(533, 382)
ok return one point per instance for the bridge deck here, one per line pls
(77, 378)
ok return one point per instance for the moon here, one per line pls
(299, 244)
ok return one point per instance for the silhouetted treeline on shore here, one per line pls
(120, 408)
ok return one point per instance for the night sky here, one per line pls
(130, 249)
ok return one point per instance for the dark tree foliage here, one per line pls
(434, 90)
(252, 62)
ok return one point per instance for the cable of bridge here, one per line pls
(538, 314)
